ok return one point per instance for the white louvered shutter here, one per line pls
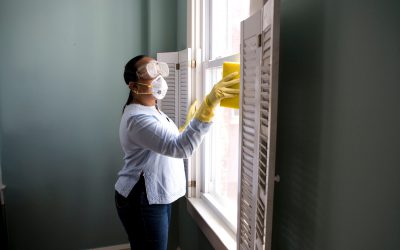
(249, 117)
(176, 103)
(258, 116)
(168, 104)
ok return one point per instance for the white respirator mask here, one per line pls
(159, 88)
(152, 70)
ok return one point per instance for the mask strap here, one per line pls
(142, 93)
(144, 84)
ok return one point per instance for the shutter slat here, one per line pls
(248, 108)
(249, 123)
(249, 100)
(248, 115)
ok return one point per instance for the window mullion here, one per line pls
(219, 61)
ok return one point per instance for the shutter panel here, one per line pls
(268, 117)
(176, 102)
(250, 60)
(168, 105)
(258, 126)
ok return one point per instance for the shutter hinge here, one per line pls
(259, 40)
(192, 183)
(177, 66)
(193, 64)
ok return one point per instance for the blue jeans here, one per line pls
(146, 225)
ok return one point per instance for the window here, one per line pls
(214, 34)
(224, 26)
(221, 41)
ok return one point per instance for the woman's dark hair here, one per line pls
(131, 76)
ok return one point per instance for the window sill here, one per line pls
(213, 227)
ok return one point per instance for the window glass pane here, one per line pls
(226, 16)
(223, 153)
(225, 159)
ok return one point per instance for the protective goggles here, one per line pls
(152, 70)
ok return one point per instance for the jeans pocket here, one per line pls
(120, 201)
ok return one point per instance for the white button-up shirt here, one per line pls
(153, 146)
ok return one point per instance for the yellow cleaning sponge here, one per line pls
(227, 68)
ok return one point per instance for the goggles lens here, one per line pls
(153, 69)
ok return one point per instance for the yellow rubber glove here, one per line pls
(221, 90)
(190, 115)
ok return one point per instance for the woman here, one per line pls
(153, 174)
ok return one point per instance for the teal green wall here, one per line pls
(61, 95)
(190, 235)
(338, 128)
(181, 24)
(161, 17)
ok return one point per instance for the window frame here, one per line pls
(198, 22)
(211, 224)
(206, 171)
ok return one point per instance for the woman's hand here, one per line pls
(221, 90)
